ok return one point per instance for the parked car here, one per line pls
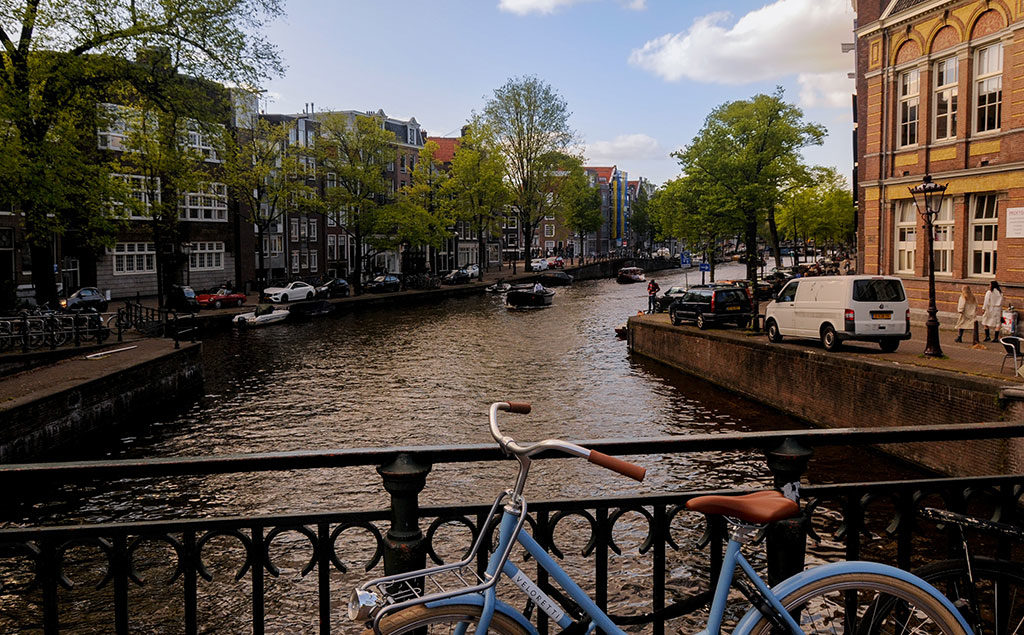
(388, 283)
(473, 270)
(85, 298)
(456, 276)
(539, 264)
(555, 279)
(297, 290)
(220, 298)
(182, 298)
(764, 289)
(556, 262)
(712, 304)
(334, 288)
(672, 294)
(835, 309)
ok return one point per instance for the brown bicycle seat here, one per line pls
(759, 507)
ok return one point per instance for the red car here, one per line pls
(221, 298)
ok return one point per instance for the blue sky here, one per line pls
(639, 75)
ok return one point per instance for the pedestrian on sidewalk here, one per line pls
(652, 295)
(992, 310)
(966, 312)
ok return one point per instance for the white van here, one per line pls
(838, 308)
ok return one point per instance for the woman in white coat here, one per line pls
(992, 310)
(966, 313)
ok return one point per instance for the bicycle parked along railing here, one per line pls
(46, 328)
(989, 592)
(853, 596)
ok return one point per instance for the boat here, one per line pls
(628, 275)
(498, 287)
(310, 309)
(622, 331)
(262, 316)
(528, 296)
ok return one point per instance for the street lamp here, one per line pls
(931, 201)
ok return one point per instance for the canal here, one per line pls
(408, 376)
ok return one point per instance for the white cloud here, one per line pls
(825, 90)
(636, 5)
(624, 147)
(779, 39)
(523, 7)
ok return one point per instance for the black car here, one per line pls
(85, 298)
(672, 294)
(554, 279)
(182, 299)
(334, 288)
(384, 284)
(456, 276)
(712, 304)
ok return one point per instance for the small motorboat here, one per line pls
(528, 296)
(498, 287)
(262, 316)
(622, 331)
(628, 275)
(310, 309)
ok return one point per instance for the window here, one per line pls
(273, 245)
(295, 261)
(312, 229)
(332, 219)
(332, 179)
(295, 229)
(945, 98)
(984, 234)
(878, 291)
(989, 88)
(144, 190)
(201, 143)
(134, 258)
(513, 222)
(549, 217)
(909, 88)
(401, 163)
(305, 259)
(206, 256)
(210, 203)
(313, 261)
(302, 228)
(942, 247)
(549, 231)
(789, 293)
(549, 245)
(331, 253)
(391, 166)
(906, 236)
(114, 134)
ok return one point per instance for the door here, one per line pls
(782, 308)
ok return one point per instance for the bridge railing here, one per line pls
(405, 535)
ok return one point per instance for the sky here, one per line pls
(639, 76)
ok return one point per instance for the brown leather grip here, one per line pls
(518, 407)
(632, 470)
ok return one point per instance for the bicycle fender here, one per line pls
(477, 599)
(814, 574)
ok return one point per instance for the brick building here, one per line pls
(939, 91)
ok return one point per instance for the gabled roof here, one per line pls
(446, 147)
(601, 172)
(901, 5)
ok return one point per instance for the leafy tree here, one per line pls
(821, 209)
(356, 149)
(530, 121)
(263, 174)
(55, 58)
(746, 151)
(640, 220)
(696, 209)
(582, 212)
(418, 217)
(477, 193)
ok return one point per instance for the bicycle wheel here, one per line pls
(995, 606)
(444, 619)
(864, 602)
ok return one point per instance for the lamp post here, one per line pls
(931, 201)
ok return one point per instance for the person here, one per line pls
(992, 310)
(538, 287)
(966, 312)
(652, 295)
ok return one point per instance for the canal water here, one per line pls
(425, 374)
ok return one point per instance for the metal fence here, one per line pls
(404, 536)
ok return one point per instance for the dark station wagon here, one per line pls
(712, 304)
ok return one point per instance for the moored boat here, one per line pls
(262, 316)
(312, 308)
(528, 296)
(629, 275)
(499, 287)
(622, 331)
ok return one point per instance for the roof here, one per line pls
(602, 173)
(446, 147)
(903, 5)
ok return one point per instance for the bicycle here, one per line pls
(857, 594)
(988, 592)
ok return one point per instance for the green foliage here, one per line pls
(417, 217)
(821, 209)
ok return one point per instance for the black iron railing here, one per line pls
(406, 535)
(156, 322)
(48, 330)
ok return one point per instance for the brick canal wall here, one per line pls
(832, 390)
(83, 401)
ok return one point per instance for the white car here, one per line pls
(473, 271)
(539, 264)
(292, 291)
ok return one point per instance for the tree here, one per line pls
(57, 57)
(583, 209)
(263, 174)
(530, 122)
(640, 220)
(418, 217)
(698, 210)
(822, 209)
(745, 152)
(356, 150)
(476, 193)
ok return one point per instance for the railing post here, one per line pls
(404, 479)
(786, 539)
(177, 344)
(76, 320)
(24, 334)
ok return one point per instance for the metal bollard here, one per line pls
(404, 550)
(786, 540)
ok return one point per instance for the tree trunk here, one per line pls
(481, 255)
(357, 263)
(43, 279)
(773, 232)
(261, 275)
(750, 237)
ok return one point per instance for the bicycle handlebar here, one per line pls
(509, 444)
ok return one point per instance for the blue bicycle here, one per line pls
(851, 597)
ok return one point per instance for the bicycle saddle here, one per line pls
(759, 507)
